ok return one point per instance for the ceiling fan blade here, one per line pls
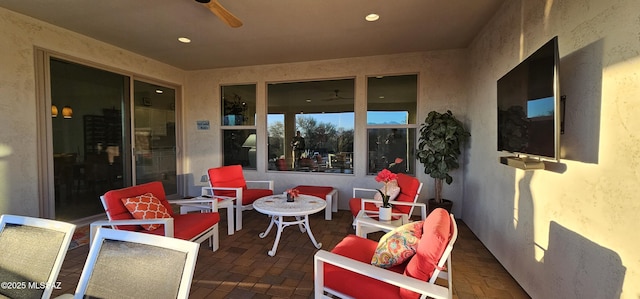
(337, 97)
(224, 15)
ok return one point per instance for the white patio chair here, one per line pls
(31, 254)
(126, 264)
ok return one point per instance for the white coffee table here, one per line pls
(277, 207)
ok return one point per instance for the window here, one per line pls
(238, 125)
(391, 123)
(310, 126)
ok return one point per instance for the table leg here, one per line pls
(306, 224)
(279, 221)
(300, 224)
(266, 232)
(359, 229)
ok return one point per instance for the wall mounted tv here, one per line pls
(528, 106)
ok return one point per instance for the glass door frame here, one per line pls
(44, 132)
(178, 125)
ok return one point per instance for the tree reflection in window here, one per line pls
(322, 111)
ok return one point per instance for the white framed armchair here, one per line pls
(126, 264)
(229, 181)
(32, 252)
(347, 272)
(196, 227)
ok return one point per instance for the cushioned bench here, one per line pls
(330, 194)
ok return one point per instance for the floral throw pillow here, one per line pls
(398, 245)
(146, 206)
(392, 190)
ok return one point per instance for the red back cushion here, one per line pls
(436, 233)
(227, 176)
(116, 210)
(408, 190)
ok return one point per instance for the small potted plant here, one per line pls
(292, 194)
(439, 146)
(385, 176)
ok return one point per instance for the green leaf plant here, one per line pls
(439, 146)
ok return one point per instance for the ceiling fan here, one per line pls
(222, 13)
(336, 96)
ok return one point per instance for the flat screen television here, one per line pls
(528, 105)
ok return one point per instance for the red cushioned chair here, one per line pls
(346, 271)
(195, 227)
(410, 188)
(229, 181)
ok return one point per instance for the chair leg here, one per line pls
(239, 216)
(230, 220)
(327, 209)
(215, 239)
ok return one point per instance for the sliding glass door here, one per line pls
(87, 121)
(95, 148)
(155, 135)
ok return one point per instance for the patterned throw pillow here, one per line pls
(398, 245)
(146, 206)
(392, 190)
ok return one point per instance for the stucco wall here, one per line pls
(442, 83)
(18, 141)
(569, 231)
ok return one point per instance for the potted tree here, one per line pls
(441, 137)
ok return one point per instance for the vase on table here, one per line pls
(289, 197)
(384, 213)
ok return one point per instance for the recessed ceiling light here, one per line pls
(308, 100)
(159, 91)
(372, 17)
(381, 97)
(184, 40)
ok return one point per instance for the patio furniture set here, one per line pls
(141, 219)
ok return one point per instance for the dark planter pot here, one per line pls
(445, 204)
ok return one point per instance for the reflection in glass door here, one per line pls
(155, 135)
(87, 132)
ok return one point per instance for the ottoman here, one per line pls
(330, 194)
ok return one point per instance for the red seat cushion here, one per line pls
(251, 195)
(317, 191)
(436, 233)
(116, 210)
(188, 226)
(357, 285)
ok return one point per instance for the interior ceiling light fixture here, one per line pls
(159, 91)
(184, 40)
(372, 17)
(54, 111)
(67, 112)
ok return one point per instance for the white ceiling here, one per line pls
(274, 31)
